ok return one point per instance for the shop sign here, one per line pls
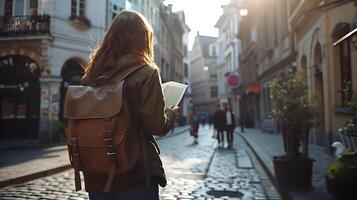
(254, 89)
(233, 81)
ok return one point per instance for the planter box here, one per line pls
(341, 190)
(293, 174)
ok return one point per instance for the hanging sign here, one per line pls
(233, 80)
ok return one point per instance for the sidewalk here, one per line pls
(25, 164)
(267, 145)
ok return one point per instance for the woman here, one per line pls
(194, 120)
(230, 125)
(127, 43)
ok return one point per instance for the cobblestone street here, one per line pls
(200, 171)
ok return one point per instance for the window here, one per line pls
(346, 78)
(213, 50)
(186, 69)
(78, 8)
(115, 10)
(2, 7)
(185, 50)
(213, 75)
(18, 7)
(213, 91)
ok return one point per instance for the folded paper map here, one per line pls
(173, 93)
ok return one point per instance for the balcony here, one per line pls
(14, 26)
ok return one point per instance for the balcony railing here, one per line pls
(24, 25)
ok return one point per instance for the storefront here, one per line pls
(19, 97)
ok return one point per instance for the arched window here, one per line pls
(344, 51)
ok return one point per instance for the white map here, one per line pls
(173, 93)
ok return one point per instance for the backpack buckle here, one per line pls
(74, 140)
(108, 139)
(111, 153)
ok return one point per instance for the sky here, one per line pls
(201, 15)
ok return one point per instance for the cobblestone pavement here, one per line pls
(194, 172)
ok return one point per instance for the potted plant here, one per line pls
(341, 178)
(292, 108)
(57, 130)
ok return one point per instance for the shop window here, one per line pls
(13, 108)
(7, 109)
(78, 8)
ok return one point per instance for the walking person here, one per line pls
(121, 82)
(230, 125)
(194, 120)
(219, 123)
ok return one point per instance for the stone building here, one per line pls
(286, 36)
(204, 74)
(186, 102)
(328, 68)
(271, 53)
(228, 46)
(44, 46)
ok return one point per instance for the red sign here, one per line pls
(255, 89)
(233, 81)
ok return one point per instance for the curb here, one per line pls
(284, 195)
(30, 177)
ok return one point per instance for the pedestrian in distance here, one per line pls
(194, 120)
(115, 114)
(219, 123)
(230, 125)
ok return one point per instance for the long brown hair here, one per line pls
(129, 33)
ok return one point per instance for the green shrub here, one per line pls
(344, 169)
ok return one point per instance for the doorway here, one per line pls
(19, 97)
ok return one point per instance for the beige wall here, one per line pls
(318, 29)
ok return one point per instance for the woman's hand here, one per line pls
(176, 111)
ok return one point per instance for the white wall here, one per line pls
(70, 41)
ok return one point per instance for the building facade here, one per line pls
(267, 52)
(289, 36)
(228, 46)
(204, 74)
(328, 68)
(186, 102)
(44, 47)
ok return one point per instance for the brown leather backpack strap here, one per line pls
(77, 180)
(111, 151)
(122, 75)
(74, 149)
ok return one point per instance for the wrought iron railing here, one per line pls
(24, 25)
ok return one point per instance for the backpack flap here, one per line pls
(86, 108)
(86, 102)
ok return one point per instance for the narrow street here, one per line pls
(200, 171)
